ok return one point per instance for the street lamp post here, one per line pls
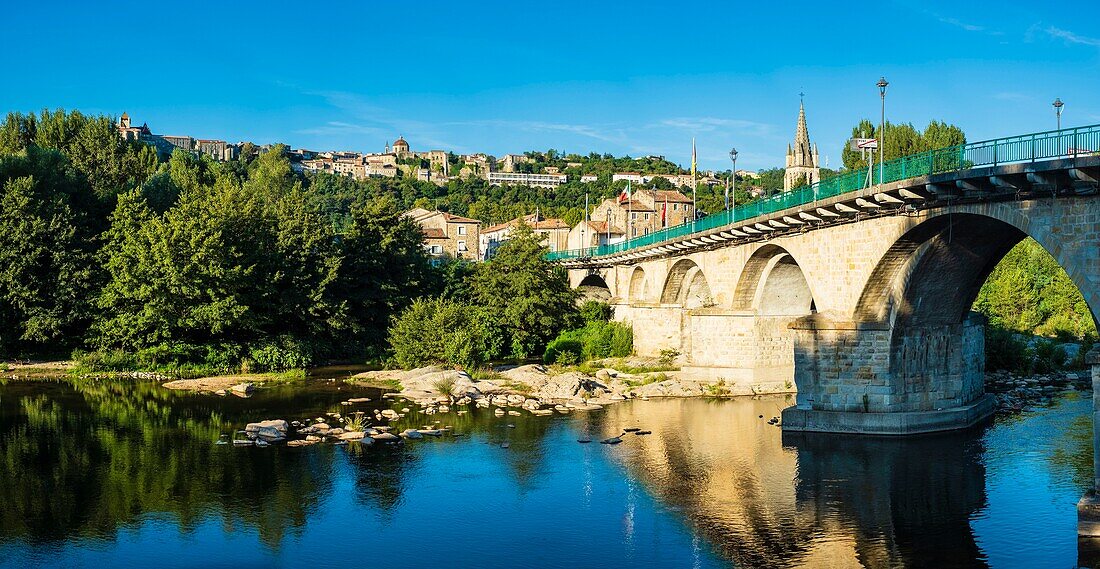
(733, 157)
(1058, 104)
(882, 83)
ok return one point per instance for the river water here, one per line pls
(127, 474)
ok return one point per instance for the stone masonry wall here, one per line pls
(866, 369)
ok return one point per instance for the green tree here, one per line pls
(529, 296)
(45, 267)
(901, 140)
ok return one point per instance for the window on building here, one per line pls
(462, 246)
(634, 215)
(647, 217)
(462, 230)
(437, 250)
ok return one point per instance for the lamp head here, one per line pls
(882, 83)
(733, 154)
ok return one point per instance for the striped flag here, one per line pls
(625, 196)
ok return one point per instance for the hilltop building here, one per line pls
(802, 163)
(400, 147)
(533, 180)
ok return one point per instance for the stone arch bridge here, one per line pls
(861, 301)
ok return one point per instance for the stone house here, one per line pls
(447, 235)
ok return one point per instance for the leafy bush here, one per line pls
(442, 331)
(562, 344)
(595, 311)
(668, 355)
(594, 340)
(1047, 356)
(1004, 350)
(280, 355)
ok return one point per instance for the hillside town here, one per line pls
(643, 207)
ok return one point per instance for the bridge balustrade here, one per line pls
(1065, 143)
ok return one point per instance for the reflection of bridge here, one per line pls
(860, 297)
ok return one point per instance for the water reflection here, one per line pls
(82, 459)
(83, 463)
(811, 500)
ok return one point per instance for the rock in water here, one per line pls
(612, 441)
(386, 437)
(583, 441)
(631, 429)
(505, 444)
(243, 388)
(268, 431)
(643, 432)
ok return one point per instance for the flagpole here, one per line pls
(587, 222)
(629, 217)
(694, 184)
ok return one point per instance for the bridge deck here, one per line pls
(1016, 167)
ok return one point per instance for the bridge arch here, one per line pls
(686, 285)
(594, 287)
(638, 289)
(932, 274)
(773, 284)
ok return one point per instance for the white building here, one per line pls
(632, 177)
(533, 180)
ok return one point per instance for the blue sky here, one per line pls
(501, 77)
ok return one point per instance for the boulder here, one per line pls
(277, 424)
(353, 435)
(386, 437)
(243, 388)
(411, 434)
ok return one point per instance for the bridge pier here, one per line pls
(1088, 509)
(883, 379)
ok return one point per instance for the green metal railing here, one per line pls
(1070, 142)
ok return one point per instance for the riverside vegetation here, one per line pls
(188, 266)
(133, 260)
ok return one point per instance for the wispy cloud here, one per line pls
(1012, 96)
(959, 24)
(360, 118)
(1070, 37)
(711, 124)
(367, 118)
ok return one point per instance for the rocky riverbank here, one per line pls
(1016, 393)
(533, 386)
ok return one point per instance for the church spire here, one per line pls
(803, 152)
(802, 165)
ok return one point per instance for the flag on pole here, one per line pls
(625, 196)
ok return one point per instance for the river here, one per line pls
(127, 474)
